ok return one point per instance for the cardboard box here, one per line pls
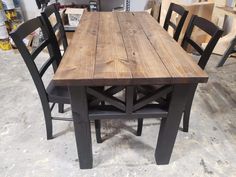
(74, 16)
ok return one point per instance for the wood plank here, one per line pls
(79, 58)
(143, 60)
(179, 64)
(111, 57)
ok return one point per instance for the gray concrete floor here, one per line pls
(209, 149)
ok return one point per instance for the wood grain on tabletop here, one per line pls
(111, 58)
(144, 62)
(124, 48)
(79, 59)
(178, 63)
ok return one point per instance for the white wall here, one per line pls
(29, 9)
(138, 5)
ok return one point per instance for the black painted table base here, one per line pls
(132, 108)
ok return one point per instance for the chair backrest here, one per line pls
(56, 28)
(49, 42)
(177, 28)
(211, 29)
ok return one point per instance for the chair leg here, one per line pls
(49, 128)
(98, 131)
(140, 127)
(48, 120)
(60, 108)
(186, 119)
(187, 112)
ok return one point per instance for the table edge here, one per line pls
(128, 81)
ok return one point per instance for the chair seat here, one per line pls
(58, 94)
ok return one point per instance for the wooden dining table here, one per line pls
(121, 51)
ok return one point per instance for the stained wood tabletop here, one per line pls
(114, 48)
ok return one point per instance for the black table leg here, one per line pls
(188, 106)
(82, 126)
(170, 125)
(140, 127)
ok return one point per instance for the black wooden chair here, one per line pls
(58, 27)
(215, 32)
(52, 94)
(211, 29)
(177, 28)
(231, 50)
(205, 54)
